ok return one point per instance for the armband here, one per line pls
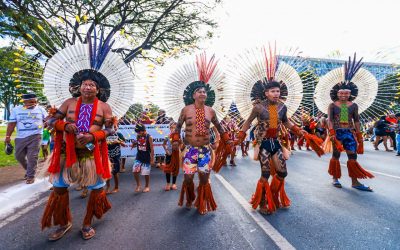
(60, 125)
(175, 137)
(98, 135)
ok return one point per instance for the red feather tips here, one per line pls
(205, 68)
(114, 120)
(271, 62)
(52, 111)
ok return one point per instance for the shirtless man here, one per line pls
(271, 115)
(77, 158)
(198, 118)
(343, 122)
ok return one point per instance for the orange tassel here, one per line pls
(187, 189)
(222, 152)
(360, 147)
(97, 205)
(334, 168)
(263, 187)
(52, 111)
(205, 199)
(57, 209)
(356, 171)
(278, 192)
(360, 140)
(315, 143)
(300, 142)
(256, 198)
(173, 166)
(338, 145)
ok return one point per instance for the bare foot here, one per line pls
(174, 187)
(167, 187)
(137, 189)
(115, 190)
(146, 190)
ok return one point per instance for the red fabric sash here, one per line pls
(101, 160)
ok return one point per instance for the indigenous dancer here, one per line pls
(229, 125)
(344, 128)
(80, 154)
(171, 167)
(199, 97)
(271, 115)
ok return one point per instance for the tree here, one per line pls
(50, 25)
(19, 73)
(136, 109)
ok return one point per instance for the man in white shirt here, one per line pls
(28, 118)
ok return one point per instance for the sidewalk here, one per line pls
(15, 193)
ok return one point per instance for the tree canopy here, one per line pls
(50, 25)
(19, 73)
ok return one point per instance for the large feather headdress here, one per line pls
(180, 78)
(362, 84)
(65, 71)
(252, 73)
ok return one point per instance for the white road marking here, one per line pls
(376, 172)
(279, 240)
(9, 219)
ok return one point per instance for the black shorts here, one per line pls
(115, 161)
(270, 145)
(167, 159)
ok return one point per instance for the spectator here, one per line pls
(380, 133)
(29, 120)
(114, 153)
(398, 133)
(45, 142)
(161, 119)
(123, 121)
(390, 130)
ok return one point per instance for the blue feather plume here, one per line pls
(99, 52)
(351, 68)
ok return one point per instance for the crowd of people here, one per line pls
(86, 143)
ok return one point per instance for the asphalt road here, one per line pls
(321, 216)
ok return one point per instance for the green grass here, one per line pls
(5, 160)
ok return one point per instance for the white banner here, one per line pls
(156, 131)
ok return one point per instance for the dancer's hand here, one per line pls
(83, 139)
(71, 128)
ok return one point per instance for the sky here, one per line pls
(317, 27)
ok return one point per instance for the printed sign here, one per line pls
(156, 131)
